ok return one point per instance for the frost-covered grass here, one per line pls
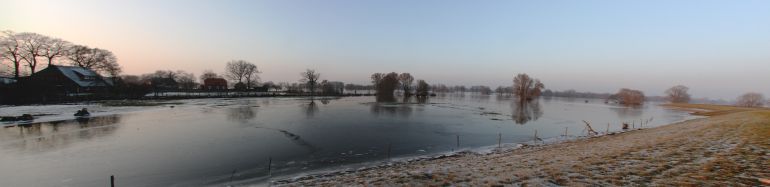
(731, 148)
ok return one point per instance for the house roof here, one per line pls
(80, 75)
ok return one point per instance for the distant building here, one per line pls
(214, 84)
(70, 79)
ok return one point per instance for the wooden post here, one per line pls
(389, 144)
(112, 180)
(565, 131)
(269, 166)
(458, 141)
(231, 176)
(633, 124)
(535, 138)
(499, 140)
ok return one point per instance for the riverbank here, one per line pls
(730, 147)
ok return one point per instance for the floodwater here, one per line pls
(228, 141)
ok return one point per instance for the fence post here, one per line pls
(499, 140)
(112, 180)
(565, 131)
(458, 141)
(389, 144)
(269, 166)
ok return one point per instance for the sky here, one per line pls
(720, 49)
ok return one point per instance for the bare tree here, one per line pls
(32, 45)
(236, 70)
(526, 88)
(751, 99)
(630, 97)
(54, 48)
(11, 50)
(185, 80)
(386, 84)
(310, 78)
(678, 94)
(96, 59)
(376, 79)
(406, 82)
(252, 75)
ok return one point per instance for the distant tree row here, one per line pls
(386, 83)
(32, 50)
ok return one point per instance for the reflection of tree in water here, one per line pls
(523, 112)
(391, 109)
(52, 135)
(241, 113)
(628, 111)
(310, 108)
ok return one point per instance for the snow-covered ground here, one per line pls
(58, 112)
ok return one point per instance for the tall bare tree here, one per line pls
(237, 70)
(376, 79)
(185, 80)
(310, 78)
(406, 82)
(678, 94)
(526, 88)
(751, 99)
(252, 75)
(54, 48)
(11, 49)
(99, 60)
(32, 47)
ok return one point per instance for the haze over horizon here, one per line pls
(719, 49)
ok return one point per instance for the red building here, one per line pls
(214, 84)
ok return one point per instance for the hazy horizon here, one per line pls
(718, 49)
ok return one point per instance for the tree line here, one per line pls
(25, 52)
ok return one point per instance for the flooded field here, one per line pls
(222, 141)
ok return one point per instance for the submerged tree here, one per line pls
(630, 97)
(751, 99)
(422, 88)
(387, 85)
(678, 94)
(526, 88)
(310, 78)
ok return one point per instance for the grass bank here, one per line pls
(731, 147)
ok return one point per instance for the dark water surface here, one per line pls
(215, 141)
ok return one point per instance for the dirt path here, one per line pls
(728, 149)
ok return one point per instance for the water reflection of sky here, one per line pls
(205, 140)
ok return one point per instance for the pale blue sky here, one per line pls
(720, 49)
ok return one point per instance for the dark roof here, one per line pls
(82, 76)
